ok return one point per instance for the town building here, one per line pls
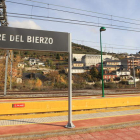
(109, 77)
(78, 69)
(112, 62)
(133, 55)
(90, 59)
(128, 63)
(77, 64)
(123, 74)
(34, 61)
(77, 57)
(110, 68)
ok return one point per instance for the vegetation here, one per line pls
(56, 79)
(82, 49)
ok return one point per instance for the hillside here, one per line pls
(81, 49)
(76, 48)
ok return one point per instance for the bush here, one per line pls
(123, 82)
(110, 85)
(98, 85)
(78, 86)
(89, 86)
(60, 85)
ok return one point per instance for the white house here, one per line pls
(78, 57)
(34, 61)
(123, 72)
(90, 59)
(78, 70)
(40, 63)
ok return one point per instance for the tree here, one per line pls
(58, 56)
(94, 73)
(2, 73)
(100, 74)
(50, 62)
(38, 83)
(74, 59)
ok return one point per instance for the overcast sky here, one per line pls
(123, 8)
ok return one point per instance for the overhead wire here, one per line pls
(136, 48)
(102, 43)
(108, 47)
(74, 13)
(81, 10)
(71, 22)
(67, 19)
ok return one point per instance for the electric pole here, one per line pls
(11, 58)
(134, 74)
(3, 21)
(3, 15)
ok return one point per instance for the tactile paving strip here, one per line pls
(65, 118)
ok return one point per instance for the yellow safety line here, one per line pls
(66, 113)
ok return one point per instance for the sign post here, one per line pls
(6, 67)
(27, 39)
(70, 124)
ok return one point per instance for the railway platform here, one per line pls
(36, 128)
(46, 117)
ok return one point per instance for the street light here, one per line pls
(102, 29)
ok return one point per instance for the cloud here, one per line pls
(24, 24)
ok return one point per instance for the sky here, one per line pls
(125, 41)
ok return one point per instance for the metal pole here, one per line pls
(6, 66)
(134, 73)
(102, 67)
(70, 124)
(11, 70)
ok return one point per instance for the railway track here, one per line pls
(51, 94)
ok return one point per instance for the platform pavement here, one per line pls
(131, 133)
(35, 128)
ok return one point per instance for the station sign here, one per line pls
(28, 39)
(18, 105)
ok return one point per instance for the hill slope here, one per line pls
(81, 49)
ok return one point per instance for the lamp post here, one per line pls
(102, 29)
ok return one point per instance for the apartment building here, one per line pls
(112, 62)
(128, 62)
